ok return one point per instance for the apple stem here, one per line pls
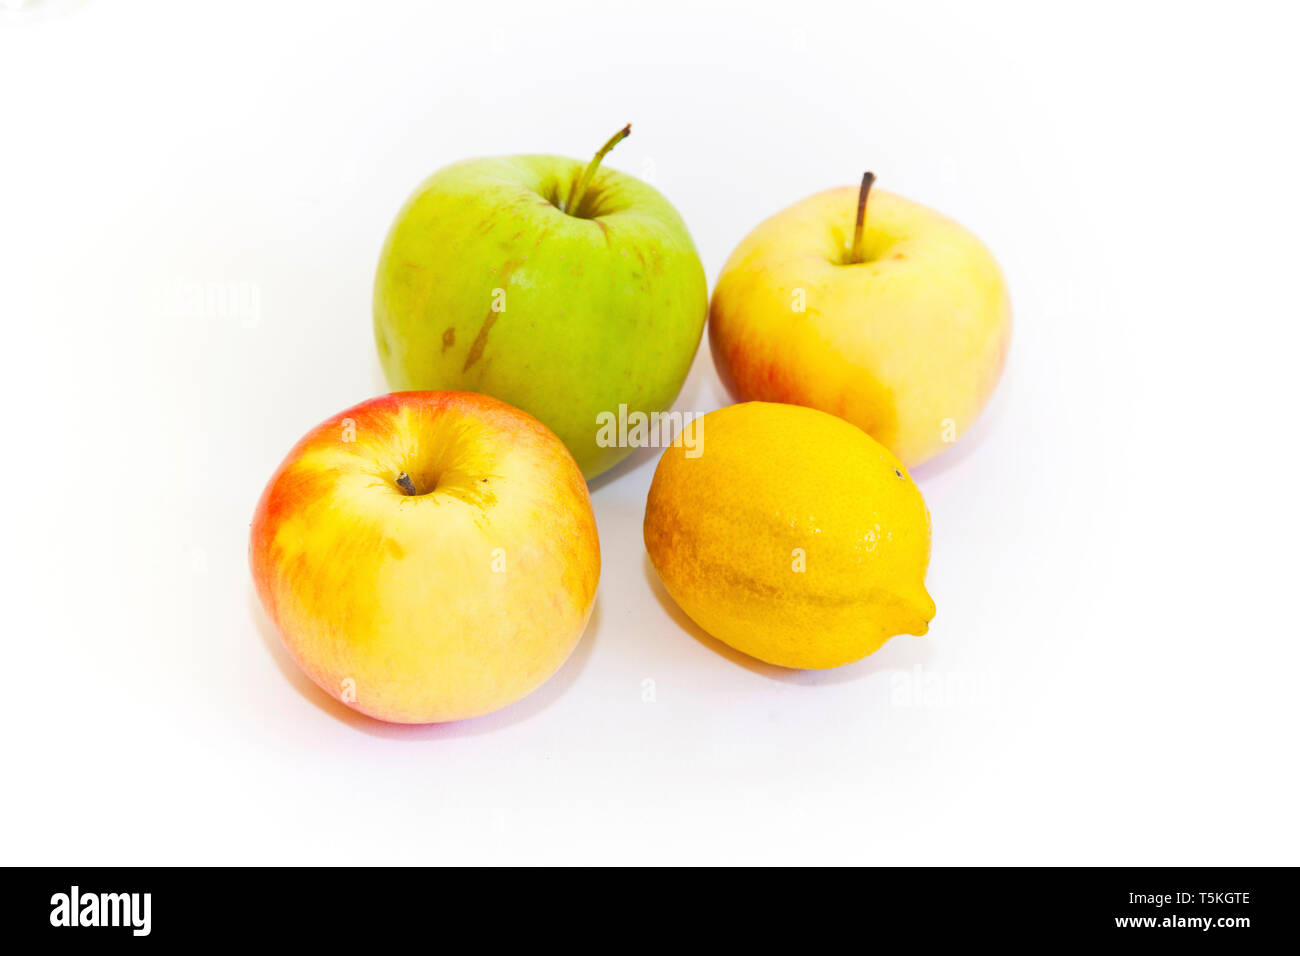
(406, 484)
(572, 207)
(855, 251)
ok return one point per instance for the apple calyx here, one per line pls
(575, 200)
(406, 484)
(855, 250)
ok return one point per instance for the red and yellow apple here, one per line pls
(884, 313)
(427, 556)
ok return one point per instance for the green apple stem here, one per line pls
(581, 188)
(406, 484)
(855, 251)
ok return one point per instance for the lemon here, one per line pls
(790, 534)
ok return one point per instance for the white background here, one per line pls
(1111, 677)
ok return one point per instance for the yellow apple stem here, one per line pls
(581, 188)
(406, 484)
(855, 251)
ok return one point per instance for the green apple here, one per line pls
(563, 290)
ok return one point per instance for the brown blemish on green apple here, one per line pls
(480, 341)
(448, 338)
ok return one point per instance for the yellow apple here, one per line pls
(427, 556)
(882, 312)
